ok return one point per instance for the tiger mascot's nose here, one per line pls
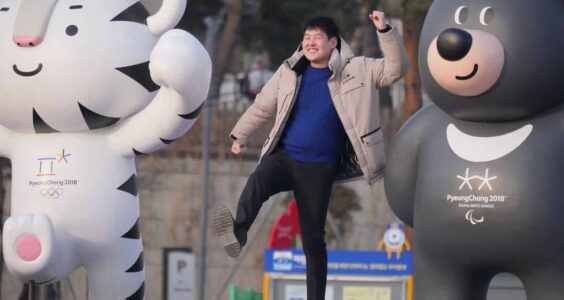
(27, 41)
(32, 21)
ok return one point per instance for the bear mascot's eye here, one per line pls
(72, 30)
(461, 15)
(486, 15)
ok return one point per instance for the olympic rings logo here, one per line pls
(53, 193)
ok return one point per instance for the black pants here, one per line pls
(311, 184)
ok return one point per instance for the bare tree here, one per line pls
(359, 33)
(232, 12)
(413, 15)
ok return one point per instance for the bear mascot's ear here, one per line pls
(165, 14)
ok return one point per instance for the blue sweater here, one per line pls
(314, 133)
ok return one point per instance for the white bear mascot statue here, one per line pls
(85, 86)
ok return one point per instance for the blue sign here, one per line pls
(369, 263)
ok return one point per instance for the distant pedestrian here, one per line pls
(255, 79)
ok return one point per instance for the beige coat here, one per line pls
(353, 87)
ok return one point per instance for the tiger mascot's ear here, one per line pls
(165, 14)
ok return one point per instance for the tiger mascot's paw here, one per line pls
(172, 64)
(29, 247)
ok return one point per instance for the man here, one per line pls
(322, 99)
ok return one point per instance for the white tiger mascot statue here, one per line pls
(85, 86)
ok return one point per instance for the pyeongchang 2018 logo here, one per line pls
(472, 181)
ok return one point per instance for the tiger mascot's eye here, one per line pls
(71, 30)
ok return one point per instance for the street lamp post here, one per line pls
(213, 24)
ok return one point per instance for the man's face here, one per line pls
(317, 46)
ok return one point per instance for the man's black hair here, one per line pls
(329, 27)
(325, 24)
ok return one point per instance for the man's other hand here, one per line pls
(238, 149)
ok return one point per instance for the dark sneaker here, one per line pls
(225, 228)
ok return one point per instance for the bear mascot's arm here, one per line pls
(402, 163)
